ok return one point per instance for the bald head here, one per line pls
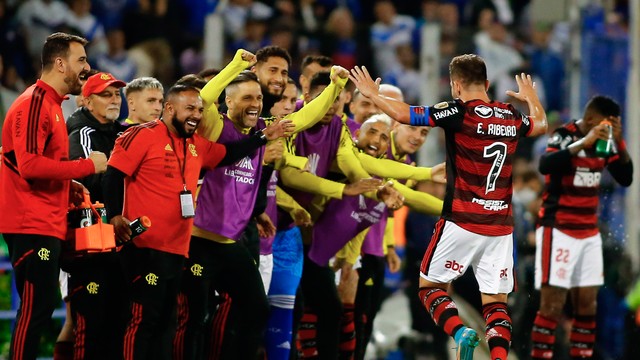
(391, 91)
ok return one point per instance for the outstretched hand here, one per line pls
(439, 173)
(361, 186)
(390, 196)
(364, 82)
(526, 88)
(279, 128)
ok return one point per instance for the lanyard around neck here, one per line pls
(183, 164)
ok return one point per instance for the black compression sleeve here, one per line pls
(113, 188)
(239, 149)
(622, 172)
(553, 161)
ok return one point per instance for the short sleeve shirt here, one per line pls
(481, 139)
(153, 159)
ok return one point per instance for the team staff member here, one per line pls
(167, 148)
(35, 185)
(568, 242)
(476, 227)
(96, 297)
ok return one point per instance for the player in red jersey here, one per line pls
(568, 242)
(36, 186)
(476, 225)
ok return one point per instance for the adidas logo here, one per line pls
(284, 345)
(314, 159)
(168, 148)
(245, 163)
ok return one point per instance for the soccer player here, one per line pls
(219, 224)
(145, 96)
(170, 149)
(311, 65)
(568, 242)
(476, 225)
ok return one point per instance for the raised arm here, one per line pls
(312, 112)
(397, 110)
(527, 93)
(211, 127)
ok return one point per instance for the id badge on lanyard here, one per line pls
(186, 197)
(186, 204)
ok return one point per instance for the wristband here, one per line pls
(260, 134)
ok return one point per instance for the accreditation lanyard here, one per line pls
(186, 198)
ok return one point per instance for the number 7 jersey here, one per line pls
(481, 140)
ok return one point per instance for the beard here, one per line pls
(268, 100)
(73, 82)
(179, 126)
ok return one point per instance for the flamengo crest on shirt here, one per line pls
(245, 163)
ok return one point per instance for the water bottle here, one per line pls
(604, 148)
(101, 211)
(139, 225)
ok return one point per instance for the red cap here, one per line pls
(96, 84)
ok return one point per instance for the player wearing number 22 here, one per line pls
(477, 224)
(568, 242)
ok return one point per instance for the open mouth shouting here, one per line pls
(372, 150)
(191, 125)
(251, 115)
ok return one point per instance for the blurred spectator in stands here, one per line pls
(152, 36)
(254, 35)
(81, 19)
(428, 15)
(485, 20)
(13, 48)
(389, 31)
(498, 52)
(507, 11)
(238, 11)
(338, 41)
(39, 19)
(191, 59)
(7, 96)
(406, 75)
(117, 60)
(111, 12)
(283, 35)
(548, 65)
